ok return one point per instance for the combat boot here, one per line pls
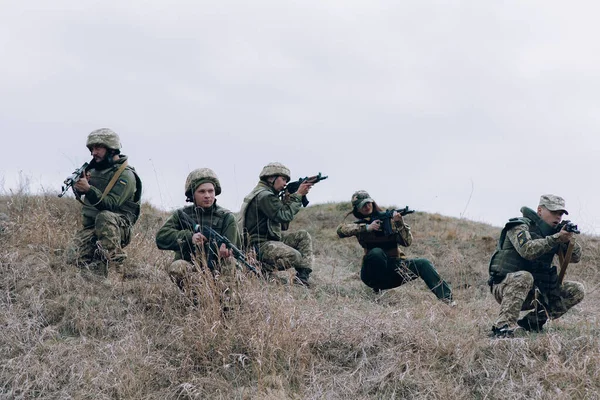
(533, 321)
(504, 331)
(302, 275)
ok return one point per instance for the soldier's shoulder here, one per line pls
(265, 193)
(187, 209)
(517, 222)
(224, 211)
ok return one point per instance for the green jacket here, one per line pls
(263, 212)
(124, 198)
(177, 236)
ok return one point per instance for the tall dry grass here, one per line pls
(138, 337)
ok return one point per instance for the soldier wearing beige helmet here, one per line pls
(261, 218)
(202, 186)
(522, 277)
(111, 191)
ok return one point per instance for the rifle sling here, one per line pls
(110, 184)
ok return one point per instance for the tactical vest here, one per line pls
(130, 209)
(273, 230)
(377, 239)
(506, 259)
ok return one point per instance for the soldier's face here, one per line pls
(552, 218)
(204, 196)
(367, 209)
(279, 183)
(98, 152)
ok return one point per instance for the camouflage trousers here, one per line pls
(294, 251)
(182, 272)
(206, 287)
(102, 242)
(516, 293)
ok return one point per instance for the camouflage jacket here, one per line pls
(177, 236)
(529, 248)
(263, 212)
(368, 240)
(124, 198)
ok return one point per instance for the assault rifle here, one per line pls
(214, 236)
(386, 218)
(569, 227)
(72, 179)
(292, 187)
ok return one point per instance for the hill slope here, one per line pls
(137, 336)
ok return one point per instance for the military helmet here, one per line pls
(360, 198)
(105, 137)
(274, 169)
(199, 176)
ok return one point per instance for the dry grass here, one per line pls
(65, 336)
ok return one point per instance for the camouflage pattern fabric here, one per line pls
(553, 202)
(294, 251)
(124, 198)
(181, 270)
(174, 235)
(515, 294)
(530, 248)
(204, 287)
(263, 213)
(104, 241)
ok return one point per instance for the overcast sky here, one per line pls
(465, 108)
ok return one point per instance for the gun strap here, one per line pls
(110, 184)
(564, 260)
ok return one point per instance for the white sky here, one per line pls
(466, 108)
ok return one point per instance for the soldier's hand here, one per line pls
(304, 188)
(82, 185)
(198, 238)
(564, 236)
(397, 217)
(374, 226)
(224, 252)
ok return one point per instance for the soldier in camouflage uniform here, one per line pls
(384, 265)
(261, 218)
(111, 191)
(201, 188)
(522, 276)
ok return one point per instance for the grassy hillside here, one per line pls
(136, 336)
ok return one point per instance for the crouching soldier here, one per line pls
(111, 191)
(201, 188)
(522, 276)
(262, 216)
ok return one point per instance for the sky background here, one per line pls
(464, 108)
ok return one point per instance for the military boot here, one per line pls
(533, 321)
(302, 275)
(504, 331)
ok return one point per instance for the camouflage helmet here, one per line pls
(199, 176)
(275, 169)
(105, 137)
(360, 198)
